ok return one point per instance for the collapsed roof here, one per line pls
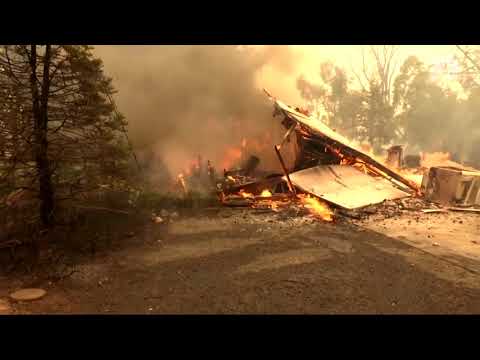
(317, 130)
(343, 185)
(332, 168)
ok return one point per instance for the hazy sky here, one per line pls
(346, 56)
(307, 60)
(180, 99)
(344, 53)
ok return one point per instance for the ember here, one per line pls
(274, 206)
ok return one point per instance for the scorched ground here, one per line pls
(242, 261)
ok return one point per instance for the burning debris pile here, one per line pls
(328, 174)
(332, 176)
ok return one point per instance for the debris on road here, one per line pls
(28, 294)
(157, 220)
(164, 213)
(471, 210)
(430, 211)
(4, 307)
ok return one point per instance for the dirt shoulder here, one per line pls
(243, 261)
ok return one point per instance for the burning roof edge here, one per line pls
(316, 126)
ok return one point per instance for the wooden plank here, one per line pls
(472, 210)
(430, 211)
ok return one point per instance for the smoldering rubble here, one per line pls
(331, 177)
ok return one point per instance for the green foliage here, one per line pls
(86, 143)
(434, 118)
(360, 114)
(421, 112)
(378, 122)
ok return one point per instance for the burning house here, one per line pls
(330, 172)
(327, 169)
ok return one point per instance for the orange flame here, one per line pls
(266, 193)
(412, 175)
(316, 207)
(260, 144)
(181, 182)
(435, 159)
(232, 155)
(245, 194)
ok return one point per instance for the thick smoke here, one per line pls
(184, 101)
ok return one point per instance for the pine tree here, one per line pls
(59, 131)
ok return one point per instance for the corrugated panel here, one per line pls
(345, 186)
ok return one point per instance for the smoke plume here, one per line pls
(185, 101)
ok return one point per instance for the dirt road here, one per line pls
(244, 262)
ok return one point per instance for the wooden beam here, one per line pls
(290, 185)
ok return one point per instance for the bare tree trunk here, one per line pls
(469, 58)
(40, 117)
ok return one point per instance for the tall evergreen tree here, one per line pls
(60, 131)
